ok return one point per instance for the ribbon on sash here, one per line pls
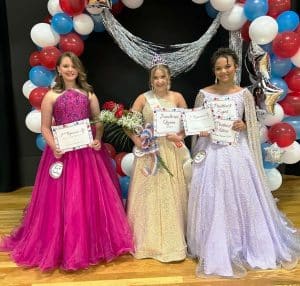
(149, 147)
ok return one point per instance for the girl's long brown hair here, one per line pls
(81, 80)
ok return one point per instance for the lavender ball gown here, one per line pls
(78, 219)
(233, 220)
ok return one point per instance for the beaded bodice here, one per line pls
(71, 106)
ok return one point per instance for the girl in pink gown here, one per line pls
(77, 219)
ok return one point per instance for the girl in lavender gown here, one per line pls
(77, 219)
(233, 221)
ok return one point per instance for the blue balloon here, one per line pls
(280, 67)
(40, 142)
(287, 21)
(124, 183)
(279, 82)
(98, 24)
(40, 76)
(210, 10)
(267, 47)
(255, 8)
(62, 23)
(295, 122)
(267, 164)
(114, 2)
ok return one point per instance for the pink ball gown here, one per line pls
(78, 219)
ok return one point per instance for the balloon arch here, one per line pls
(271, 24)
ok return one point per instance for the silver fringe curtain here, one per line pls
(179, 57)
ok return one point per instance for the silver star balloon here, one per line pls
(265, 93)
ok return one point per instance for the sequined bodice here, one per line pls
(71, 106)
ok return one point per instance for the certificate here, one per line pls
(72, 136)
(166, 121)
(223, 133)
(225, 109)
(197, 120)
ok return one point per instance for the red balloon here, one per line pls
(276, 7)
(117, 8)
(291, 104)
(286, 44)
(49, 57)
(36, 96)
(298, 29)
(71, 42)
(292, 79)
(47, 19)
(245, 31)
(118, 158)
(241, 1)
(72, 7)
(282, 133)
(110, 149)
(34, 59)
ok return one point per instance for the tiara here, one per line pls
(157, 60)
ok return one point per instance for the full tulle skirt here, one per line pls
(74, 221)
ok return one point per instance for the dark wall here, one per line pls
(112, 73)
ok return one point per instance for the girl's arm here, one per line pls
(46, 112)
(95, 111)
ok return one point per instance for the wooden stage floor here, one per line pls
(129, 271)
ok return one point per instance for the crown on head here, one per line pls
(157, 60)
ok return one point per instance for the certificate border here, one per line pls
(79, 122)
(168, 109)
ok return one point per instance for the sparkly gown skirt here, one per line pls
(157, 208)
(233, 221)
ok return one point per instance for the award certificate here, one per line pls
(72, 136)
(223, 133)
(225, 109)
(167, 120)
(197, 120)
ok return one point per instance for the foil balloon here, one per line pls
(258, 66)
(274, 153)
(96, 6)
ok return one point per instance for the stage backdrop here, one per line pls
(112, 73)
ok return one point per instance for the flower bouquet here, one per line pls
(116, 119)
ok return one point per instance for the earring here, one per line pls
(235, 79)
(216, 80)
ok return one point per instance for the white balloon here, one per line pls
(296, 59)
(200, 1)
(28, 86)
(263, 30)
(133, 4)
(54, 7)
(222, 5)
(271, 119)
(274, 178)
(43, 35)
(263, 133)
(127, 164)
(233, 19)
(83, 24)
(291, 154)
(33, 121)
